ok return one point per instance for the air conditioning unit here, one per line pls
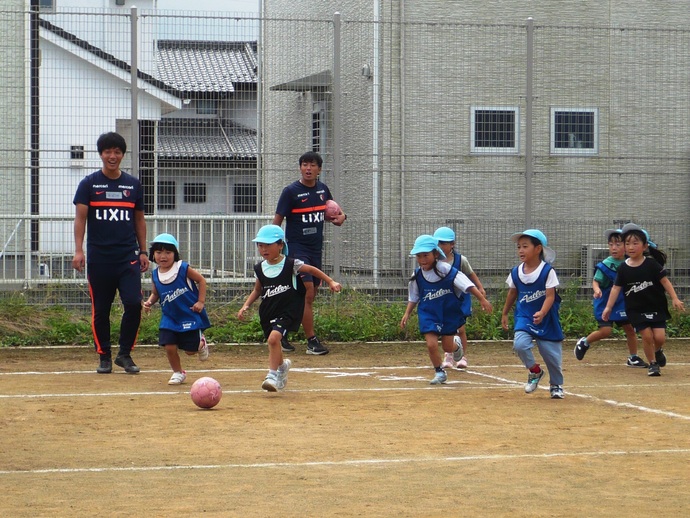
(589, 257)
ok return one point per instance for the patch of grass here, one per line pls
(348, 316)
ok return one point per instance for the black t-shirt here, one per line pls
(110, 232)
(303, 209)
(645, 297)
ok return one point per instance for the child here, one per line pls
(437, 287)
(282, 298)
(533, 285)
(446, 242)
(601, 284)
(643, 281)
(181, 291)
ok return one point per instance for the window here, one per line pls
(207, 107)
(194, 192)
(244, 198)
(494, 130)
(166, 195)
(46, 5)
(318, 129)
(574, 131)
(76, 152)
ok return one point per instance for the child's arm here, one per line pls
(597, 289)
(486, 305)
(153, 298)
(255, 294)
(315, 272)
(201, 283)
(546, 306)
(473, 277)
(615, 290)
(677, 303)
(406, 316)
(510, 300)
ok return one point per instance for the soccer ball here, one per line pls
(206, 392)
(332, 210)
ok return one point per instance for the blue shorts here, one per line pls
(185, 340)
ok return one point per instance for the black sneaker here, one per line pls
(315, 347)
(581, 348)
(654, 370)
(636, 361)
(106, 365)
(286, 346)
(660, 357)
(126, 363)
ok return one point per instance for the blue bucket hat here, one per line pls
(628, 227)
(166, 239)
(269, 234)
(444, 234)
(549, 253)
(426, 243)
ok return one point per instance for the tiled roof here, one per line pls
(206, 66)
(204, 138)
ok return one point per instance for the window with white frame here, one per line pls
(46, 5)
(574, 131)
(318, 128)
(494, 129)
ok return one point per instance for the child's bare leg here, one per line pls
(173, 357)
(599, 334)
(659, 334)
(275, 352)
(631, 339)
(462, 333)
(447, 343)
(432, 346)
(648, 344)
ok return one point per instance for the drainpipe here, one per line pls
(134, 103)
(375, 146)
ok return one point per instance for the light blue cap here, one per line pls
(269, 234)
(632, 226)
(549, 253)
(426, 243)
(444, 234)
(608, 233)
(167, 239)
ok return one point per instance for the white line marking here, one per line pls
(361, 462)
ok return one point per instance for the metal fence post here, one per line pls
(337, 131)
(134, 144)
(529, 166)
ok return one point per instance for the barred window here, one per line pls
(194, 192)
(166, 195)
(244, 198)
(574, 131)
(494, 130)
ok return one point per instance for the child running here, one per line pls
(643, 281)
(533, 285)
(282, 298)
(181, 291)
(437, 287)
(446, 242)
(605, 274)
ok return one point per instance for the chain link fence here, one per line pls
(486, 128)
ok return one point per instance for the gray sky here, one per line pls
(240, 6)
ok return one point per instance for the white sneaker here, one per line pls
(459, 352)
(283, 374)
(177, 378)
(533, 381)
(270, 384)
(462, 364)
(203, 349)
(448, 362)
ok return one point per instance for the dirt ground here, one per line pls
(359, 432)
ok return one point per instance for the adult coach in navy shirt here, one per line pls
(302, 205)
(110, 207)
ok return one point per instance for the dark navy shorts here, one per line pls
(310, 259)
(185, 340)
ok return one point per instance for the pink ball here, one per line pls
(332, 210)
(206, 392)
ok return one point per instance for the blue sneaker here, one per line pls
(439, 378)
(533, 381)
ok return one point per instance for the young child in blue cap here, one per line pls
(282, 298)
(437, 287)
(532, 284)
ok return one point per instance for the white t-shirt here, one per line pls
(461, 283)
(528, 278)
